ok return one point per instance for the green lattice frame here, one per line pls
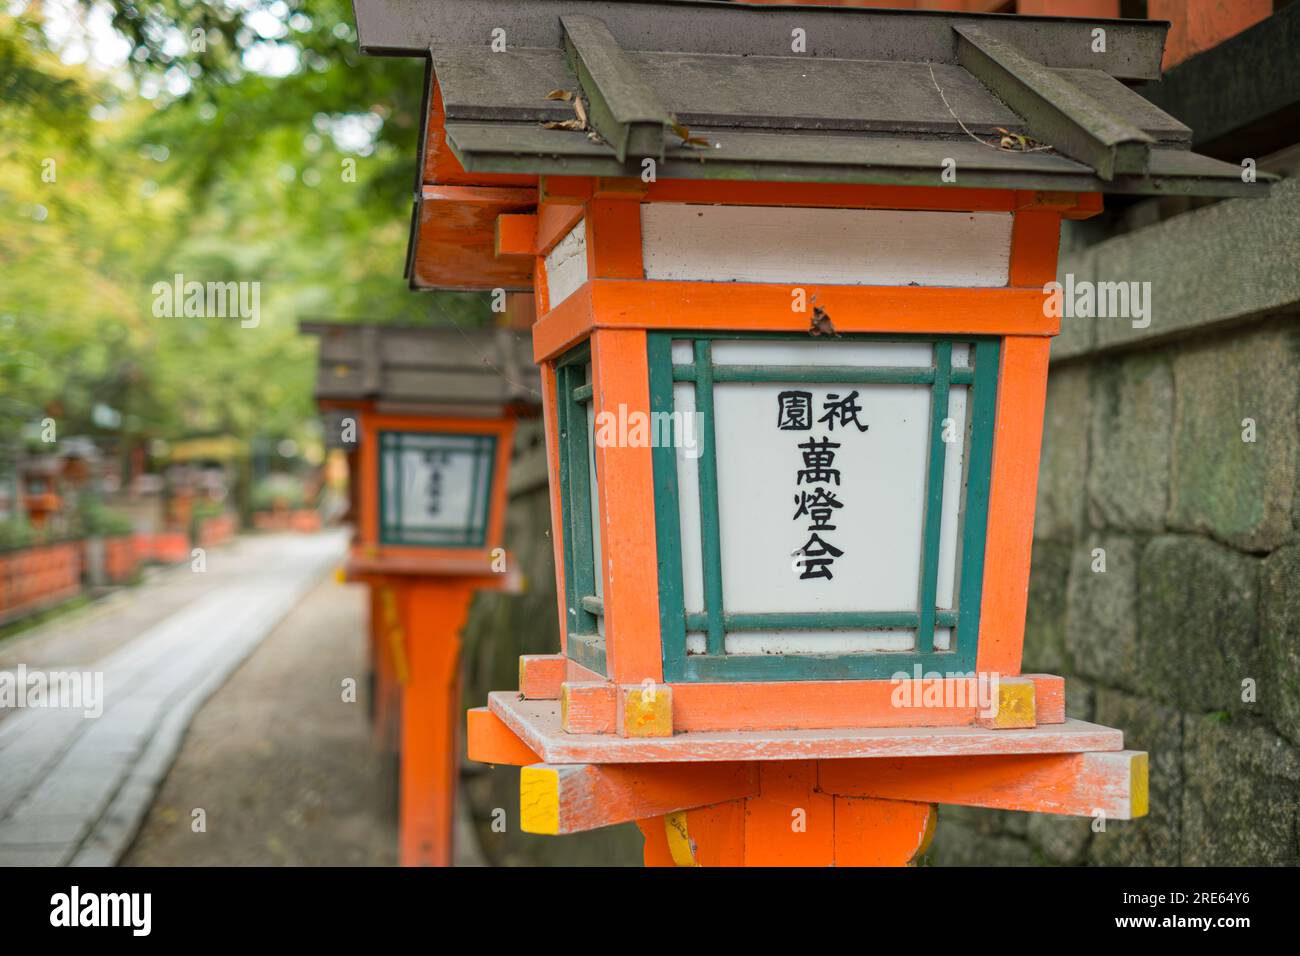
(583, 641)
(715, 665)
(474, 535)
(583, 608)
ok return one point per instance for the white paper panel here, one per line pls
(688, 504)
(953, 479)
(838, 246)
(566, 265)
(423, 508)
(812, 352)
(878, 528)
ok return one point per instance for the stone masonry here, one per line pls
(1173, 454)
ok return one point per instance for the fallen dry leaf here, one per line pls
(820, 323)
(1017, 142)
(683, 132)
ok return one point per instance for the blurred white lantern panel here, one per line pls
(435, 488)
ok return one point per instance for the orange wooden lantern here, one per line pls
(432, 426)
(794, 361)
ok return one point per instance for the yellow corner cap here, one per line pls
(539, 800)
(1016, 704)
(647, 713)
(1139, 787)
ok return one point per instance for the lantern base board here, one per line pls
(537, 724)
(573, 798)
(806, 705)
(475, 569)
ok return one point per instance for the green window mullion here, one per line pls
(584, 393)
(981, 409)
(562, 391)
(795, 621)
(933, 498)
(582, 568)
(672, 605)
(710, 531)
(584, 554)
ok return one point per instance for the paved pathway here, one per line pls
(73, 789)
(278, 760)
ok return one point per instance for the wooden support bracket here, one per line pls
(516, 234)
(489, 740)
(1111, 783)
(571, 798)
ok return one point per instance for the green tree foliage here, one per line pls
(234, 142)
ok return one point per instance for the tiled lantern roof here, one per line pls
(770, 93)
(404, 366)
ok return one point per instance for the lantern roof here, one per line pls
(709, 90)
(418, 368)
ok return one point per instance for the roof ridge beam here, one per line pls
(1055, 110)
(624, 110)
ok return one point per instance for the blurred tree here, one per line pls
(223, 142)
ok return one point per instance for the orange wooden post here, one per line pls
(433, 450)
(793, 374)
(436, 610)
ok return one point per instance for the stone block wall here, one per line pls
(1171, 459)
